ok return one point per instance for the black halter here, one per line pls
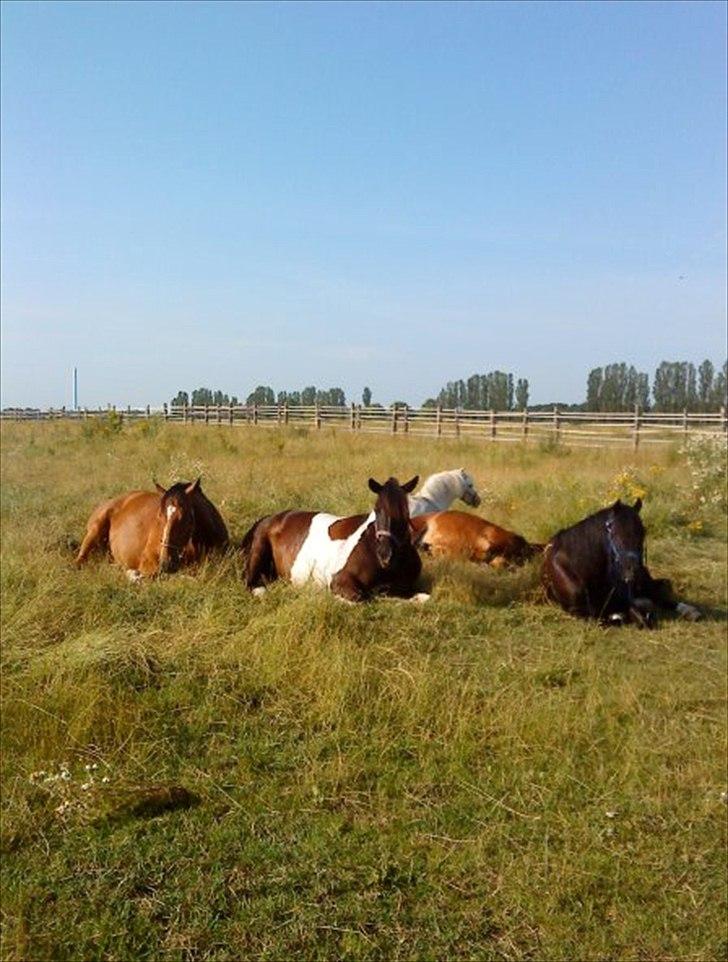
(618, 555)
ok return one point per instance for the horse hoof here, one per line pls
(134, 576)
(689, 612)
(420, 598)
(616, 619)
(259, 591)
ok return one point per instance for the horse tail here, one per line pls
(258, 566)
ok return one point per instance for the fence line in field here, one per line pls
(573, 427)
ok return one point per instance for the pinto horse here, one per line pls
(152, 532)
(355, 557)
(596, 569)
(456, 534)
(441, 489)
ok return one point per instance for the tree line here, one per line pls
(676, 386)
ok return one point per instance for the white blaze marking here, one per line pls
(171, 509)
(321, 557)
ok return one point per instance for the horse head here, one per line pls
(625, 539)
(468, 493)
(176, 520)
(391, 518)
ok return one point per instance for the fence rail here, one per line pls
(572, 427)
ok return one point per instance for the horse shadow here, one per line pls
(479, 584)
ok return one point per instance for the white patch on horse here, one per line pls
(171, 510)
(440, 490)
(259, 591)
(321, 557)
(133, 575)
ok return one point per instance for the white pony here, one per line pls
(440, 490)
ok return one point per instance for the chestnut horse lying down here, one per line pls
(456, 534)
(596, 569)
(355, 557)
(152, 532)
(441, 489)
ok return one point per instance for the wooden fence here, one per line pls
(633, 428)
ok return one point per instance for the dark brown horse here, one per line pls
(596, 569)
(457, 534)
(150, 532)
(356, 556)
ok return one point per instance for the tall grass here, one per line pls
(479, 777)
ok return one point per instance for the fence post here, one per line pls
(219, 413)
(184, 413)
(85, 414)
(724, 419)
(405, 421)
(525, 422)
(279, 414)
(230, 413)
(207, 414)
(352, 417)
(685, 424)
(165, 411)
(492, 424)
(457, 422)
(394, 419)
(255, 412)
(285, 412)
(556, 422)
(636, 429)
(438, 421)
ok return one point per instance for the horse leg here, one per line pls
(97, 532)
(660, 592)
(566, 588)
(344, 585)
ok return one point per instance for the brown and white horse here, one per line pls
(456, 534)
(150, 532)
(355, 557)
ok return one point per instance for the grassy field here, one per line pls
(190, 773)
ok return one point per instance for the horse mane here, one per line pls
(178, 489)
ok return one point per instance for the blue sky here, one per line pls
(385, 194)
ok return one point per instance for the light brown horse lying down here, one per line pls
(456, 534)
(150, 532)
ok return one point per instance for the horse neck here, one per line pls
(441, 489)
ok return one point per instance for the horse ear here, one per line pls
(194, 486)
(617, 503)
(638, 505)
(158, 486)
(374, 486)
(411, 484)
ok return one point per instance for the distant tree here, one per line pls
(719, 391)
(594, 389)
(334, 397)
(522, 393)
(675, 386)
(399, 405)
(181, 399)
(429, 403)
(308, 396)
(261, 395)
(366, 397)
(201, 396)
(706, 373)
